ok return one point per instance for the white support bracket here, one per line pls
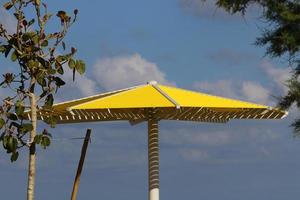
(154, 84)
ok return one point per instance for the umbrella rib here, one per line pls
(166, 95)
(196, 113)
(93, 97)
(277, 114)
(268, 114)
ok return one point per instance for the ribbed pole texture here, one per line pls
(153, 157)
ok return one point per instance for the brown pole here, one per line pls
(80, 164)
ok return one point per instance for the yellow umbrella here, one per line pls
(154, 102)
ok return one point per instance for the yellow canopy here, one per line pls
(167, 102)
(154, 102)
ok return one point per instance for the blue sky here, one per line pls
(177, 42)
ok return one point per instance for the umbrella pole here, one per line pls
(153, 159)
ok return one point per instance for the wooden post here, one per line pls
(80, 164)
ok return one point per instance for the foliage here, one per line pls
(38, 75)
(281, 37)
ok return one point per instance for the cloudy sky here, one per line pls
(188, 44)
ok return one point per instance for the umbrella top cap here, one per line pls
(152, 82)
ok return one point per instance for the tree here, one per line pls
(38, 75)
(281, 37)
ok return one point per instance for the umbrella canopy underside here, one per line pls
(169, 103)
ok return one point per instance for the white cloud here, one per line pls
(245, 90)
(123, 71)
(221, 87)
(278, 76)
(110, 73)
(253, 91)
(194, 155)
(250, 90)
(81, 87)
(85, 85)
(216, 145)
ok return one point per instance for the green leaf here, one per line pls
(71, 63)
(31, 22)
(49, 101)
(41, 81)
(51, 71)
(44, 43)
(63, 45)
(14, 156)
(15, 143)
(43, 94)
(9, 142)
(13, 40)
(9, 145)
(46, 17)
(19, 108)
(12, 144)
(26, 36)
(15, 124)
(8, 5)
(8, 48)
(45, 132)
(5, 140)
(2, 122)
(58, 66)
(59, 82)
(37, 139)
(51, 120)
(14, 56)
(33, 64)
(60, 59)
(60, 70)
(80, 67)
(74, 70)
(12, 116)
(35, 39)
(46, 141)
(2, 48)
(43, 62)
(26, 128)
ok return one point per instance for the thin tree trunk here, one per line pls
(32, 153)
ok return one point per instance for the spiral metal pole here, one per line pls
(153, 157)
